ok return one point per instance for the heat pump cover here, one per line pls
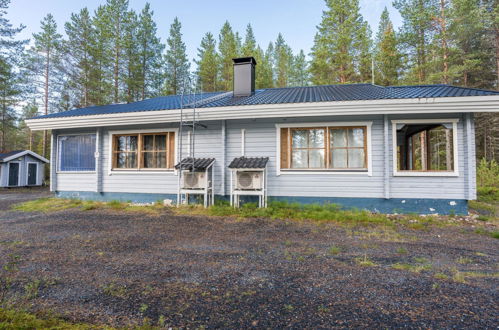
(194, 180)
(249, 180)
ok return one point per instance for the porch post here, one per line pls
(98, 160)
(53, 161)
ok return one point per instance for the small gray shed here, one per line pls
(20, 168)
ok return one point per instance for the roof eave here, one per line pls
(362, 107)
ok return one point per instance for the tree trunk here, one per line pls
(445, 50)
(47, 66)
(497, 57)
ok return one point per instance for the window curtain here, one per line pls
(77, 153)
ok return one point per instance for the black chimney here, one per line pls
(244, 76)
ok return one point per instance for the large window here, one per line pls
(76, 153)
(144, 151)
(425, 147)
(329, 148)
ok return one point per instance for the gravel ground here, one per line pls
(182, 271)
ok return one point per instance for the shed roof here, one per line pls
(7, 156)
(325, 93)
(249, 162)
(199, 163)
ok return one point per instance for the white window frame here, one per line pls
(452, 121)
(18, 173)
(111, 134)
(331, 171)
(27, 172)
(58, 161)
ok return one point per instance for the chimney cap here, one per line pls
(244, 60)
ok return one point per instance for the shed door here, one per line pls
(32, 169)
(13, 174)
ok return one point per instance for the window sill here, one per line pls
(155, 171)
(426, 174)
(75, 172)
(324, 171)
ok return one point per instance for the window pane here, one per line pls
(160, 142)
(161, 160)
(131, 161)
(356, 158)
(148, 142)
(316, 138)
(149, 160)
(299, 159)
(339, 158)
(425, 147)
(316, 158)
(338, 138)
(356, 137)
(126, 143)
(76, 152)
(300, 139)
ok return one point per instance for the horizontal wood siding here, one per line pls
(261, 141)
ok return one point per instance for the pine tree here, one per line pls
(417, 34)
(177, 64)
(45, 58)
(101, 74)
(131, 60)
(365, 56)
(228, 49)
(340, 43)
(116, 17)
(249, 46)
(264, 74)
(388, 60)
(78, 61)
(299, 70)
(12, 82)
(283, 59)
(150, 52)
(207, 64)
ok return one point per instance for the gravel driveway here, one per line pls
(192, 271)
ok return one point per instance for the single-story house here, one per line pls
(20, 168)
(387, 149)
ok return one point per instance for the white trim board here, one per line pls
(109, 166)
(280, 171)
(309, 109)
(26, 152)
(455, 148)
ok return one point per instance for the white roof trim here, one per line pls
(337, 108)
(26, 152)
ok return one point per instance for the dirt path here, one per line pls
(182, 271)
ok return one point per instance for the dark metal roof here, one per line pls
(249, 162)
(9, 154)
(326, 93)
(199, 163)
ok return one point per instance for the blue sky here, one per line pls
(295, 19)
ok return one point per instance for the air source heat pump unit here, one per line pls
(194, 180)
(249, 180)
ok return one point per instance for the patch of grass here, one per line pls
(464, 260)
(441, 276)
(481, 254)
(15, 319)
(292, 211)
(115, 290)
(31, 289)
(143, 308)
(482, 231)
(421, 264)
(288, 308)
(364, 261)
(402, 250)
(334, 250)
(49, 205)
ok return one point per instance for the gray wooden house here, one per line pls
(387, 149)
(21, 168)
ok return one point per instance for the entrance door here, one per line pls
(32, 169)
(13, 174)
